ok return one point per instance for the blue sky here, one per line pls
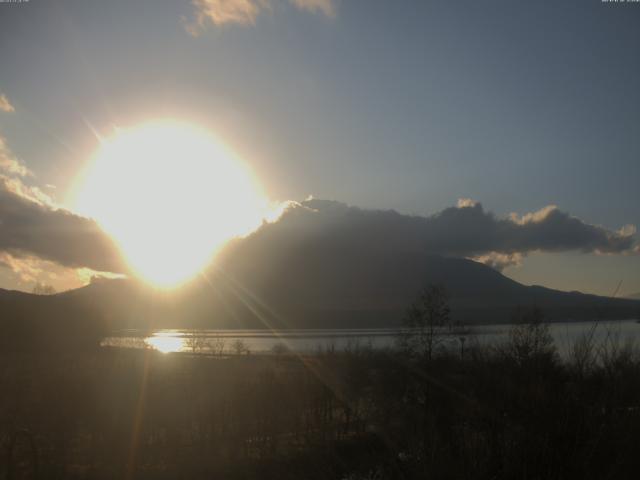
(403, 105)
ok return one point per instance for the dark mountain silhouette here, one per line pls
(322, 264)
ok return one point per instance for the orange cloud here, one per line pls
(9, 163)
(5, 104)
(30, 269)
(245, 12)
(219, 12)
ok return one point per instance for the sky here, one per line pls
(379, 104)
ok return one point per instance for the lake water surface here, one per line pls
(225, 342)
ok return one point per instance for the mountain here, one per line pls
(322, 264)
(633, 296)
(326, 264)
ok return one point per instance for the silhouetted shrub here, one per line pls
(530, 341)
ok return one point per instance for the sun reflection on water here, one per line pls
(165, 343)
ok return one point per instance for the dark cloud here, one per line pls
(35, 228)
(32, 228)
(463, 231)
(471, 230)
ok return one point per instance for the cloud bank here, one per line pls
(467, 230)
(40, 241)
(33, 271)
(245, 12)
(33, 229)
(29, 228)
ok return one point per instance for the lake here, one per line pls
(225, 342)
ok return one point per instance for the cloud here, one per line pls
(31, 270)
(245, 12)
(30, 228)
(31, 193)
(28, 269)
(471, 230)
(5, 104)
(42, 243)
(466, 202)
(38, 238)
(219, 12)
(500, 261)
(464, 231)
(9, 163)
(12, 173)
(33, 227)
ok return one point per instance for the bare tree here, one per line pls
(196, 342)
(217, 345)
(427, 322)
(239, 347)
(582, 353)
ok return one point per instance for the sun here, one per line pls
(170, 194)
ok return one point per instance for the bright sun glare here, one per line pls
(165, 343)
(171, 195)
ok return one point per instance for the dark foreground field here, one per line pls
(513, 412)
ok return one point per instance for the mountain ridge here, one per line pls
(229, 300)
